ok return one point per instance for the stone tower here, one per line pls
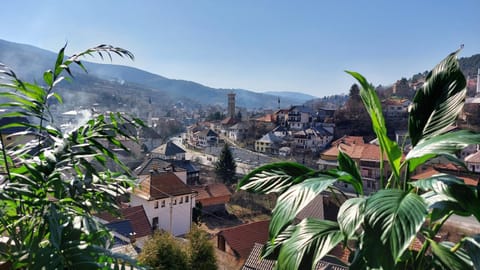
(231, 105)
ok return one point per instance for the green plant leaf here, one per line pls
(441, 145)
(275, 177)
(438, 102)
(392, 219)
(310, 242)
(450, 193)
(374, 109)
(448, 258)
(472, 248)
(272, 248)
(294, 199)
(350, 216)
(346, 164)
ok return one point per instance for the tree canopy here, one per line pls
(225, 167)
(52, 180)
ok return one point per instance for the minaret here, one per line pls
(150, 113)
(478, 83)
(231, 105)
(279, 103)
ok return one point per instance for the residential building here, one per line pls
(473, 162)
(280, 131)
(299, 117)
(367, 156)
(312, 139)
(395, 108)
(167, 201)
(205, 138)
(169, 150)
(282, 117)
(269, 144)
(158, 165)
(213, 197)
(238, 241)
(238, 132)
(150, 138)
(15, 135)
(129, 226)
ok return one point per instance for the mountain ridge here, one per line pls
(19, 57)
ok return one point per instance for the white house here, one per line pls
(313, 139)
(473, 162)
(238, 131)
(299, 117)
(167, 201)
(205, 138)
(269, 143)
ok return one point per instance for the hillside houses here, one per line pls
(299, 117)
(366, 155)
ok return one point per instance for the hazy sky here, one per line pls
(258, 45)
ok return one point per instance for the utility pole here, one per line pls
(171, 215)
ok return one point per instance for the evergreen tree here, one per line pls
(225, 167)
(163, 251)
(201, 250)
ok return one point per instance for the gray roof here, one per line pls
(154, 164)
(255, 262)
(168, 149)
(270, 138)
(314, 209)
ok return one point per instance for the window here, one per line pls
(181, 200)
(186, 198)
(163, 203)
(155, 223)
(174, 201)
(155, 204)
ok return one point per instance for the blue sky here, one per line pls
(258, 45)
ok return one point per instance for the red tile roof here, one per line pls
(433, 171)
(242, 238)
(136, 215)
(212, 194)
(355, 148)
(161, 185)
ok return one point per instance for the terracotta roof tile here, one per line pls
(136, 215)
(161, 185)
(212, 194)
(242, 238)
(433, 171)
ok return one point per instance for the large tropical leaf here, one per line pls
(294, 199)
(438, 102)
(441, 145)
(350, 215)
(472, 248)
(448, 258)
(310, 242)
(272, 248)
(346, 164)
(392, 219)
(275, 177)
(374, 109)
(450, 193)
